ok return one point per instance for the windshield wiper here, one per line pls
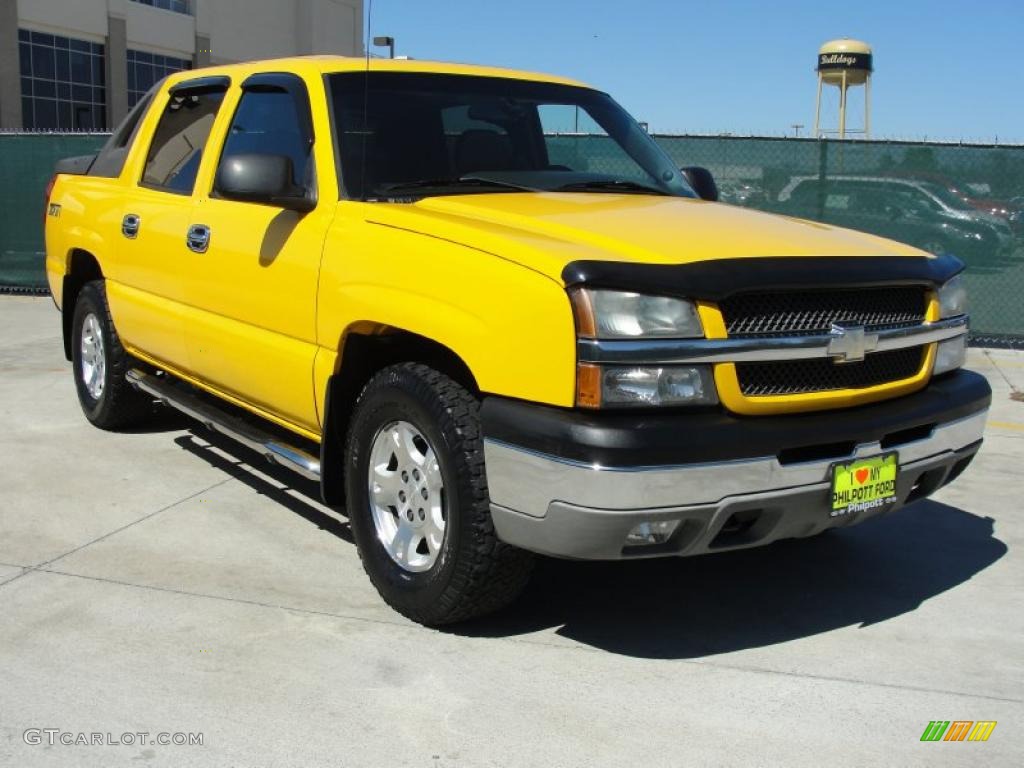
(465, 181)
(609, 185)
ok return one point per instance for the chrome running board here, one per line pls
(177, 397)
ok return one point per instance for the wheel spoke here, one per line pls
(385, 484)
(433, 534)
(432, 469)
(412, 454)
(403, 545)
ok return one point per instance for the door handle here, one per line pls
(130, 225)
(198, 238)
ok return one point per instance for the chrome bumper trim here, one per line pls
(668, 351)
(529, 482)
(587, 533)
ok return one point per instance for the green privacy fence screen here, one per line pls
(26, 164)
(965, 199)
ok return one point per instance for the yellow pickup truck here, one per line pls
(492, 318)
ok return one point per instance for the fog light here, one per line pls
(950, 355)
(651, 532)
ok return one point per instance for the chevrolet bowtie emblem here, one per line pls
(849, 343)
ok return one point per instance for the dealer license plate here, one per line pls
(864, 484)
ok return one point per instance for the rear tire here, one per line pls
(460, 569)
(100, 364)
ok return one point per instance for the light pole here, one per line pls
(796, 129)
(389, 42)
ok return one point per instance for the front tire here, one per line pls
(417, 500)
(100, 364)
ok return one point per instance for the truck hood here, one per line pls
(546, 231)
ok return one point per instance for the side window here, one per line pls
(567, 118)
(181, 134)
(267, 122)
(805, 193)
(878, 199)
(573, 139)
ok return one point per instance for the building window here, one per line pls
(62, 83)
(146, 69)
(178, 6)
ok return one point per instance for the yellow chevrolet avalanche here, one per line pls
(489, 315)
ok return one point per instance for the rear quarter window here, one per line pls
(110, 161)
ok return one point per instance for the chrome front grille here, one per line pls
(796, 313)
(799, 377)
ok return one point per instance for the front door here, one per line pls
(253, 267)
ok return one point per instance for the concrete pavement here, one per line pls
(168, 581)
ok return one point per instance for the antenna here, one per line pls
(369, 30)
(366, 101)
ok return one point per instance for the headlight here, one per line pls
(619, 386)
(953, 298)
(951, 353)
(621, 315)
(604, 314)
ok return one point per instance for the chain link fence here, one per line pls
(965, 199)
(26, 165)
(958, 198)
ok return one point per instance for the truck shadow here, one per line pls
(238, 461)
(679, 608)
(702, 606)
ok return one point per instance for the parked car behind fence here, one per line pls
(919, 212)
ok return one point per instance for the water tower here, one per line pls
(844, 63)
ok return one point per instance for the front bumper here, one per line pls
(573, 484)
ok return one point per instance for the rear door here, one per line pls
(148, 296)
(252, 273)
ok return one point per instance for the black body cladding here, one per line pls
(678, 436)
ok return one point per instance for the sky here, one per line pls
(944, 70)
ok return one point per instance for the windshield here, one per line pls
(418, 134)
(951, 200)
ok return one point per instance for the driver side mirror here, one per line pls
(702, 181)
(262, 178)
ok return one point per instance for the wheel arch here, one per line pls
(82, 267)
(366, 348)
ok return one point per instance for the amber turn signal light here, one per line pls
(588, 385)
